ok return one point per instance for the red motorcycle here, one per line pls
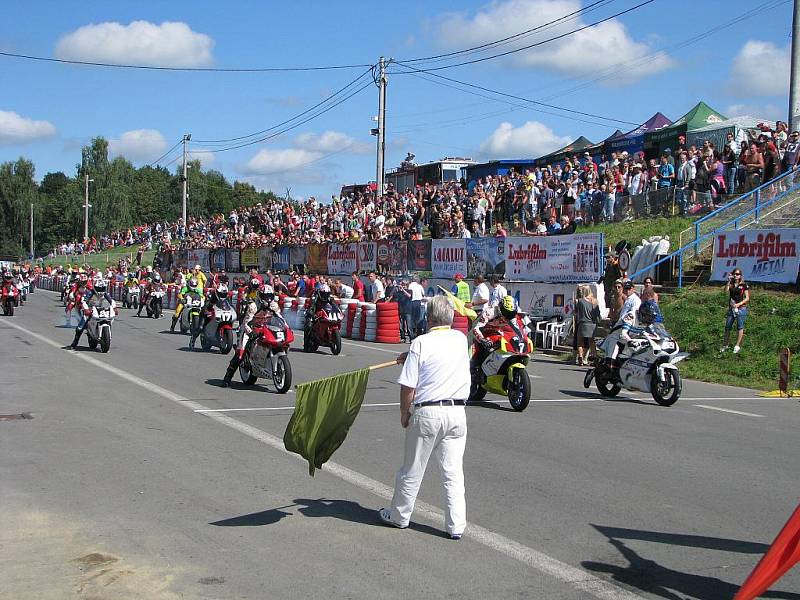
(10, 299)
(325, 330)
(265, 355)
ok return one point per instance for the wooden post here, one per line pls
(784, 361)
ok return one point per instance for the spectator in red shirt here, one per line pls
(358, 287)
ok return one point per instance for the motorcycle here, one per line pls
(98, 327)
(503, 370)
(190, 315)
(219, 329)
(649, 364)
(325, 330)
(155, 303)
(265, 354)
(22, 289)
(10, 298)
(130, 296)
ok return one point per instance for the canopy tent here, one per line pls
(578, 146)
(633, 141)
(743, 129)
(597, 150)
(699, 116)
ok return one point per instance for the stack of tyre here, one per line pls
(369, 321)
(300, 318)
(344, 306)
(388, 323)
(460, 323)
(350, 316)
(357, 331)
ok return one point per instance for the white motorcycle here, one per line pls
(130, 296)
(647, 364)
(22, 288)
(219, 329)
(155, 303)
(98, 328)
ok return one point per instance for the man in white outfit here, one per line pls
(434, 389)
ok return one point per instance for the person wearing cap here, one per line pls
(461, 288)
(434, 387)
(201, 277)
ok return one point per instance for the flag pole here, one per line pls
(383, 365)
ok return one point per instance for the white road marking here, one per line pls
(728, 410)
(539, 561)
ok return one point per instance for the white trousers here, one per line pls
(441, 431)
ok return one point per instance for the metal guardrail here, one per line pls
(750, 215)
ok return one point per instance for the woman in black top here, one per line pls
(738, 301)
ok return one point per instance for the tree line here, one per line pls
(121, 196)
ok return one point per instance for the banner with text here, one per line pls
(367, 256)
(316, 258)
(558, 258)
(761, 254)
(419, 255)
(391, 256)
(342, 258)
(232, 261)
(280, 258)
(485, 256)
(217, 260)
(249, 258)
(448, 257)
(297, 255)
(199, 257)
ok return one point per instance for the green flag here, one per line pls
(323, 414)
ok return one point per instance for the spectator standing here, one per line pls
(738, 302)
(358, 287)
(587, 315)
(434, 388)
(481, 295)
(729, 162)
(648, 291)
(496, 292)
(417, 293)
(616, 301)
(754, 166)
(377, 290)
(461, 288)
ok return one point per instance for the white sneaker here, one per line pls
(723, 349)
(736, 349)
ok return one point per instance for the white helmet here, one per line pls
(222, 290)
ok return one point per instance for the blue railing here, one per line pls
(754, 212)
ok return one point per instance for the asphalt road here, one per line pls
(138, 477)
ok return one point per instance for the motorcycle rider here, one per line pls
(213, 297)
(319, 300)
(258, 299)
(626, 327)
(88, 300)
(77, 290)
(493, 318)
(154, 284)
(192, 286)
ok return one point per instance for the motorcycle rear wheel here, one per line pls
(183, 325)
(519, 390)
(227, 342)
(282, 375)
(666, 393)
(606, 387)
(157, 310)
(336, 343)
(92, 343)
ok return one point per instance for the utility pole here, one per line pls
(382, 125)
(86, 205)
(794, 78)
(186, 138)
(32, 255)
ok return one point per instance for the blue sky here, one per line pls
(47, 111)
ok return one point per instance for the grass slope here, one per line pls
(635, 231)
(696, 317)
(101, 259)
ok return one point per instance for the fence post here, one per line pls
(696, 237)
(757, 194)
(680, 270)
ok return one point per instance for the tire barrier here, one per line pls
(358, 332)
(348, 307)
(387, 323)
(460, 323)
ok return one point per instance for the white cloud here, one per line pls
(268, 162)
(759, 111)
(760, 69)
(583, 53)
(331, 141)
(139, 145)
(205, 157)
(531, 140)
(16, 129)
(170, 44)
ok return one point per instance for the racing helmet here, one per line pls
(192, 283)
(7, 276)
(149, 269)
(253, 285)
(222, 290)
(223, 278)
(649, 313)
(508, 307)
(324, 292)
(156, 277)
(83, 278)
(266, 293)
(100, 285)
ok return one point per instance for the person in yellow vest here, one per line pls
(461, 288)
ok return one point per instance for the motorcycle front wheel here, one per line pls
(519, 390)
(245, 373)
(336, 343)
(183, 325)
(476, 392)
(227, 342)
(282, 374)
(157, 310)
(105, 340)
(666, 392)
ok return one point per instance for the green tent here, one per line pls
(701, 115)
(577, 147)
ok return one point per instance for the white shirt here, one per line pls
(629, 309)
(481, 294)
(377, 290)
(437, 366)
(346, 291)
(417, 291)
(496, 295)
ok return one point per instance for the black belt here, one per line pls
(448, 402)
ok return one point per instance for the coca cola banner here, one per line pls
(419, 255)
(485, 256)
(448, 257)
(367, 256)
(558, 258)
(342, 258)
(761, 255)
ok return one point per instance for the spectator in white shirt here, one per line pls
(376, 287)
(480, 297)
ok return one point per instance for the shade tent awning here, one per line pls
(579, 145)
(743, 129)
(633, 141)
(699, 116)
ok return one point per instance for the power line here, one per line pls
(539, 43)
(87, 63)
(156, 161)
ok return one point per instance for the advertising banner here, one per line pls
(218, 259)
(264, 258)
(232, 263)
(761, 255)
(249, 258)
(180, 258)
(316, 258)
(342, 258)
(391, 256)
(559, 258)
(367, 256)
(485, 256)
(199, 257)
(448, 257)
(419, 255)
(280, 258)
(297, 255)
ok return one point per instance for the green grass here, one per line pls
(101, 259)
(696, 317)
(635, 231)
